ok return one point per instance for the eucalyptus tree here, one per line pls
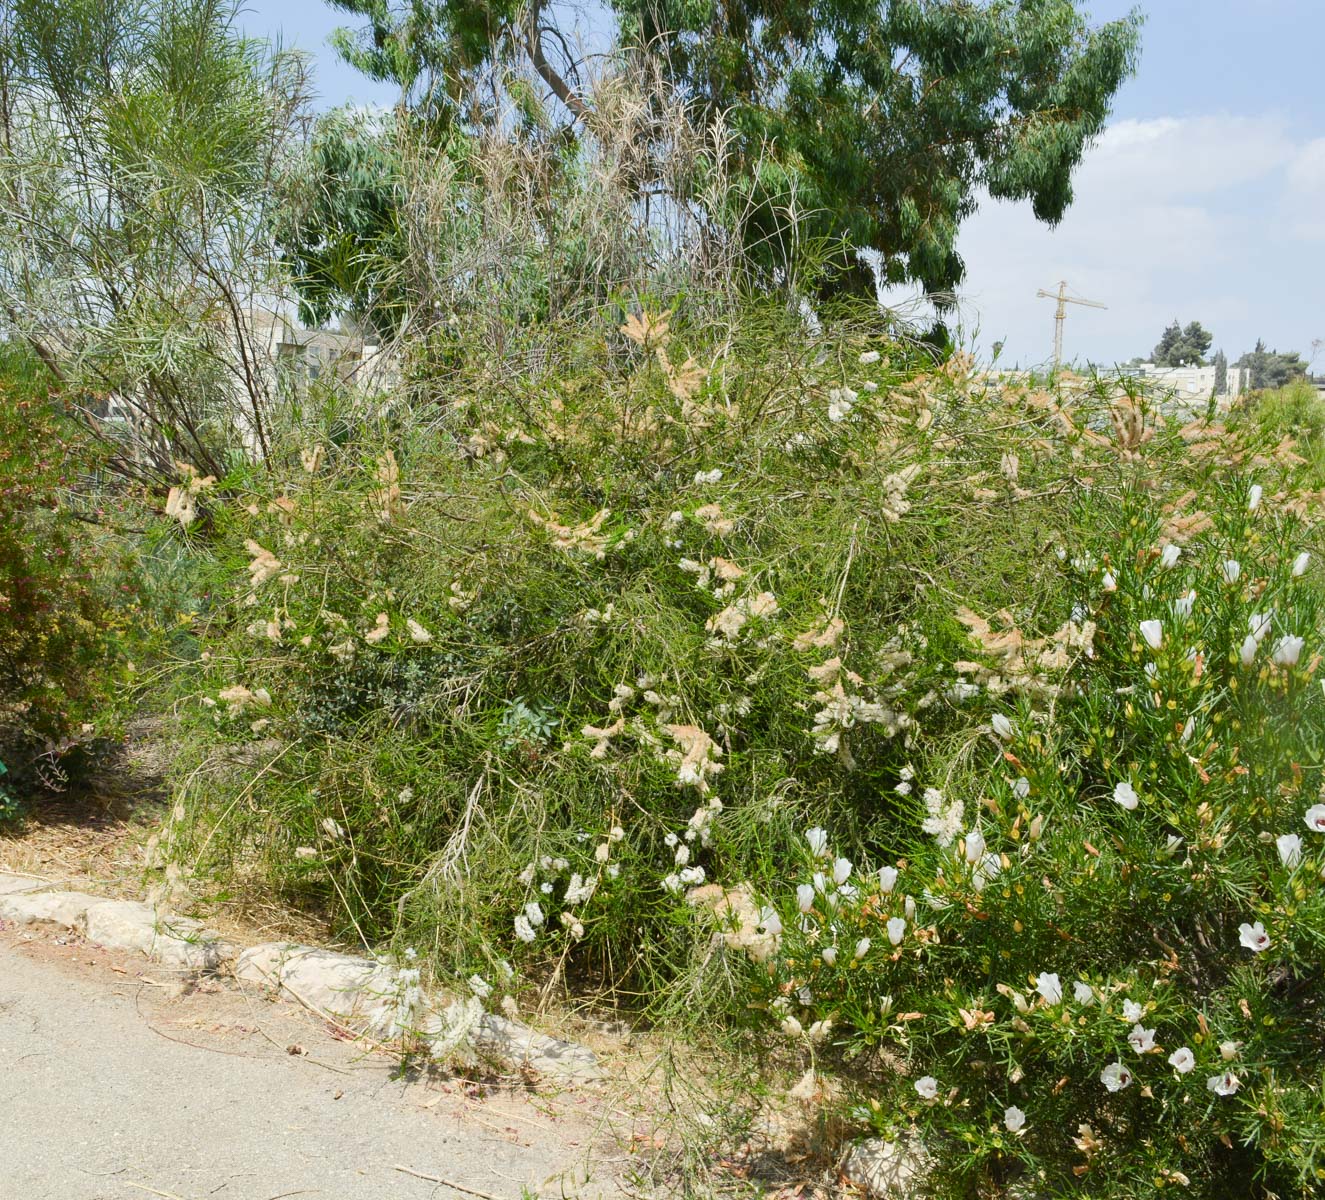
(869, 124)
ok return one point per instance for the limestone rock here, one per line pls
(887, 1170)
(173, 940)
(65, 910)
(513, 1042)
(353, 990)
(13, 885)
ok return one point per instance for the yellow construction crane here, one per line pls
(1061, 315)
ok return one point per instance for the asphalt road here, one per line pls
(119, 1083)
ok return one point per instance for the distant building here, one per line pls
(302, 357)
(1190, 386)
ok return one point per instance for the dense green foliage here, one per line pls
(1179, 347)
(562, 676)
(337, 229)
(868, 127)
(1271, 368)
(58, 611)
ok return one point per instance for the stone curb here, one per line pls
(357, 992)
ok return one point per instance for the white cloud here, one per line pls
(1304, 199)
(1199, 218)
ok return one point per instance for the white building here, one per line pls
(1191, 387)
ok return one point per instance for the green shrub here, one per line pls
(561, 672)
(1100, 953)
(58, 620)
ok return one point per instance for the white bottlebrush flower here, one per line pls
(1002, 726)
(1253, 936)
(1182, 1060)
(1223, 1084)
(708, 477)
(791, 1027)
(841, 870)
(479, 986)
(818, 839)
(805, 897)
(944, 822)
(682, 855)
(888, 875)
(820, 1030)
(1300, 564)
(523, 929)
(1124, 794)
(1247, 655)
(1013, 1119)
(1231, 570)
(1153, 632)
(1287, 650)
(868, 357)
(1289, 846)
(672, 883)
(1254, 497)
(1050, 987)
(1132, 1011)
(862, 948)
(380, 630)
(534, 913)
(896, 930)
(1141, 1040)
(1168, 558)
(829, 955)
(1082, 992)
(839, 403)
(927, 1087)
(1115, 1077)
(1315, 818)
(417, 634)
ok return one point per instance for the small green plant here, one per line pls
(10, 808)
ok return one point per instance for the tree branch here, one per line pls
(547, 72)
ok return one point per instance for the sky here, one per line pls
(1203, 200)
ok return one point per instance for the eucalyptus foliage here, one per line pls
(871, 126)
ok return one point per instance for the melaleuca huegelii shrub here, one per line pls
(559, 673)
(1096, 967)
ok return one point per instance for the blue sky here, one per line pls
(1205, 199)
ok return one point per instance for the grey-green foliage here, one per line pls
(141, 140)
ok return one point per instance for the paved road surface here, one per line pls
(117, 1083)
